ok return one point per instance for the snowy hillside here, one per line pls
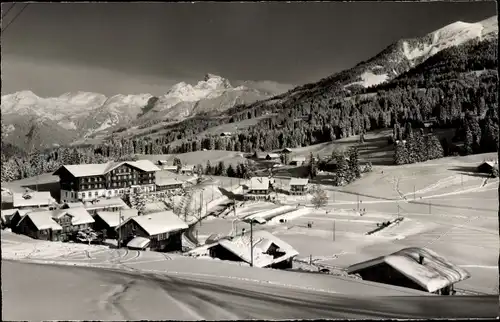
(83, 114)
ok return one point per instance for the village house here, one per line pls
(298, 186)
(106, 204)
(107, 221)
(12, 219)
(90, 181)
(72, 220)
(298, 161)
(163, 229)
(32, 199)
(187, 170)
(273, 157)
(487, 167)
(169, 184)
(226, 134)
(286, 150)
(260, 155)
(268, 250)
(39, 225)
(258, 188)
(416, 268)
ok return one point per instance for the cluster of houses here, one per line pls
(276, 157)
(261, 188)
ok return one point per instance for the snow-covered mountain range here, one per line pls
(398, 58)
(82, 114)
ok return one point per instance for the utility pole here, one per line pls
(358, 201)
(414, 194)
(119, 228)
(334, 230)
(251, 242)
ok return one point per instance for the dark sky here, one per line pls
(111, 48)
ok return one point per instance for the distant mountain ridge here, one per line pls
(82, 114)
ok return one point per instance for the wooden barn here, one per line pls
(163, 229)
(416, 268)
(107, 221)
(40, 225)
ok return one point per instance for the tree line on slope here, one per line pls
(458, 87)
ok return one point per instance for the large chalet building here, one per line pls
(85, 182)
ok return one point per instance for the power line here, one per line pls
(15, 17)
(8, 10)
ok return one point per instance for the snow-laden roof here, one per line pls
(433, 274)
(158, 223)
(112, 218)
(79, 216)
(96, 169)
(32, 198)
(299, 181)
(73, 204)
(273, 155)
(138, 242)
(188, 168)
(299, 159)
(258, 183)
(262, 241)
(42, 220)
(167, 181)
(490, 163)
(106, 203)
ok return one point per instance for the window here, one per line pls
(92, 179)
(84, 187)
(116, 192)
(66, 193)
(129, 176)
(83, 194)
(96, 193)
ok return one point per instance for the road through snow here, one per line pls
(100, 294)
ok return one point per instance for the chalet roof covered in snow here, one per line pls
(299, 182)
(298, 159)
(106, 203)
(262, 242)
(79, 216)
(73, 204)
(434, 273)
(167, 181)
(159, 223)
(96, 169)
(42, 220)
(273, 156)
(112, 218)
(258, 183)
(32, 198)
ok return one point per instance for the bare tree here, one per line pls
(320, 198)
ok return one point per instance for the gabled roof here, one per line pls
(32, 198)
(273, 155)
(262, 241)
(158, 223)
(106, 203)
(287, 150)
(258, 183)
(167, 181)
(112, 218)
(96, 169)
(490, 163)
(42, 220)
(79, 216)
(299, 181)
(433, 274)
(73, 204)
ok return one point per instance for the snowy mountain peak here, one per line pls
(453, 34)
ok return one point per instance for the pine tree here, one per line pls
(400, 153)
(342, 173)
(208, 168)
(434, 148)
(312, 166)
(221, 169)
(354, 167)
(230, 171)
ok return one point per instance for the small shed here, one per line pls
(272, 156)
(418, 268)
(139, 243)
(487, 167)
(286, 150)
(298, 161)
